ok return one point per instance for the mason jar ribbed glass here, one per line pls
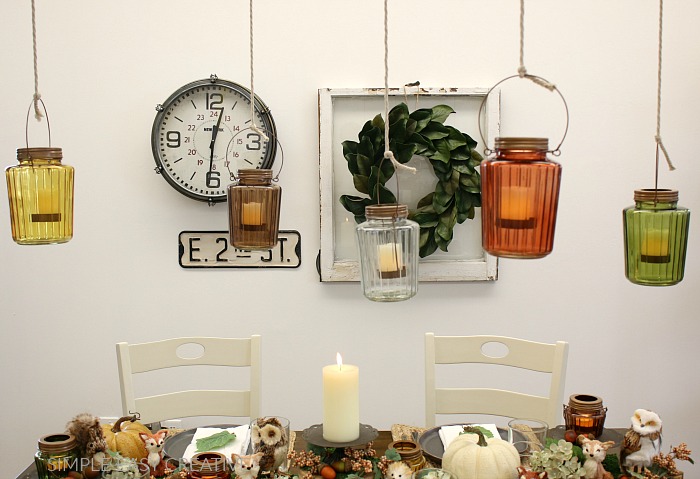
(388, 247)
(56, 456)
(519, 198)
(254, 210)
(40, 191)
(656, 238)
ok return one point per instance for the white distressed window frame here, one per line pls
(332, 269)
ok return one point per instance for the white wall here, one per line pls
(104, 66)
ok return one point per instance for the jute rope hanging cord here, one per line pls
(37, 96)
(522, 71)
(659, 142)
(388, 154)
(253, 126)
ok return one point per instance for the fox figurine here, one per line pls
(154, 445)
(246, 467)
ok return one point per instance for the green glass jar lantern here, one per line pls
(656, 238)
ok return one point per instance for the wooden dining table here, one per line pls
(382, 441)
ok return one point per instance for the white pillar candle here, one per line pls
(516, 203)
(341, 402)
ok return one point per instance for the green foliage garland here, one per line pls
(451, 153)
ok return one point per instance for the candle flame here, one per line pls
(339, 360)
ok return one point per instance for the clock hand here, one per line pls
(214, 132)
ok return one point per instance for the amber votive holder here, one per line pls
(585, 414)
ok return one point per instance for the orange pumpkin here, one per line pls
(123, 437)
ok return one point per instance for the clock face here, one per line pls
(201, 137)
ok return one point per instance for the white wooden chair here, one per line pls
(234, 352)
(542, 357)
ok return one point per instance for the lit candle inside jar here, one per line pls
(341, 402)
(45, 209)
(654, 247)
(252, 214)
(391, 261)
(516, 208)
(584, 421)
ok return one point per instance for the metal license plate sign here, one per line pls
(212, 249)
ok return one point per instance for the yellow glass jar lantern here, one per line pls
(40, 191)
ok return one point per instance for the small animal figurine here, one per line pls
(642, 442)
(154, 445)
(595, 452)
(398, 470)
(525, 474)
(246, 467)
(270, 438)
(91, 441)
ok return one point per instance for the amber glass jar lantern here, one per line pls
(519, 198)
(40, 190)
(585, 414)
(388, 247)
(209, 465)
(410, 453)
(656, 238)
(57, 455)
(254, 210)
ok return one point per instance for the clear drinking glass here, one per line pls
(530, 430)
(270, 435)
(432, 473)
(525, 450)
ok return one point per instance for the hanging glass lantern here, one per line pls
(519, 198)
(656, 237)
(254, 210)
(40, 190)
(388, 245)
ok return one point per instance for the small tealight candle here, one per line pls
(516, 207)
(654, 246)
(390, 257)
(341, 402)
(251, 214)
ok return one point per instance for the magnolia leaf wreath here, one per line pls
(451, 153)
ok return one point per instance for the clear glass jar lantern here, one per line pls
(656, 238)
(519, 198)
(254, 210)
(388, 246)
(40, 190)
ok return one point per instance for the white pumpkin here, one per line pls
(487, 458)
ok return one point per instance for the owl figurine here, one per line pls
(269, 437)
(642, 441)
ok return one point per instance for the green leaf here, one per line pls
(442, 151)
(441, 112)
(471, 143)
(423, 239)
(404, 152)
(455, 139)
(397, 131)
(422, 118)
(360, 182)
(392, 454)
(385, 196)
(435, 131)
(411, 126)
(378, 122)
(462, 153)
(441, 197)
(423, 145)
(426, 220)
(215, 441)
(449, 219)
(354, 204)
(366, 147)
(430, 245)
(470, 183)
(399, 112)
(484, 431)
(349, 146)
(442, 243)
(352, 163)
(462, 166)
(387, 170)
(427, 200)
(363, 164)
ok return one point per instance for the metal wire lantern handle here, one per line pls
(276, 178)
(26, 124)
(540, 81)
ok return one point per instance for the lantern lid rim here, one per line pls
(255, 173)
(521, 143)
(63, 442)
(659, 195)
(386, 211)
(40, 153)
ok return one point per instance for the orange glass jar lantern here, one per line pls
(254, 210)
(585, 414)
(519, 198)
(40, 191)
(209, 465)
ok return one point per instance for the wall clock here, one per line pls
(201, 137)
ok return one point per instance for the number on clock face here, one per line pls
(201, 138)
